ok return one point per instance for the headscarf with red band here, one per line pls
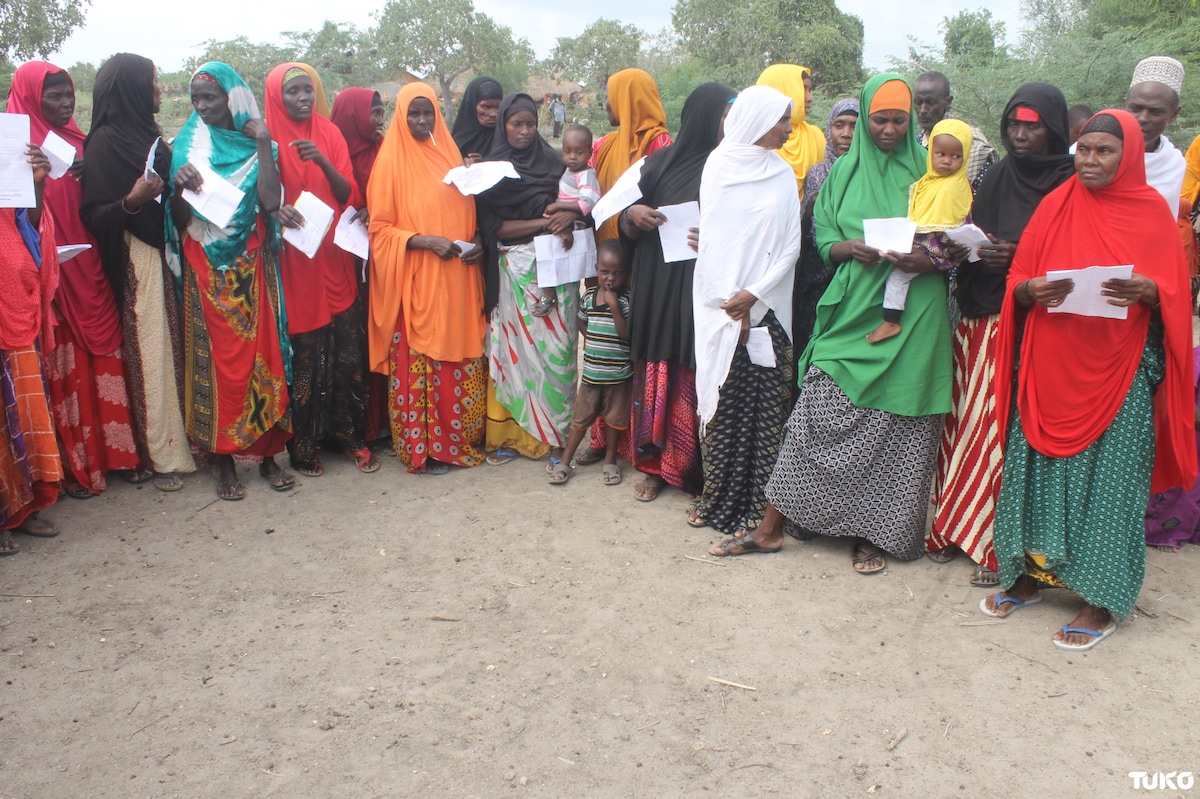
(1075, 371)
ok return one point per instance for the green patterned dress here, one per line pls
(1077, 522)
(532, 360)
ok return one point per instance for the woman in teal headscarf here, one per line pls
(859, 450)
(236, 383)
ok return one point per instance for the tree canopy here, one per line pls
(604, 47)
(737, 39)
(36, 28)
(441, 40)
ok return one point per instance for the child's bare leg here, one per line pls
(611, 440)
(888, 328)
(573, 442)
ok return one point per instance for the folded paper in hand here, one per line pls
(317, 218)
(557, 266)
(60, 152)
(16, 173)
(624, 193)
(970, 236)
(894, 234)
(673, 233)
(1085, 299)
(352, 236)
(759, 348)
(69, 251)
(218, 199)
(481, 176)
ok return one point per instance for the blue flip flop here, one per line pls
(1097, 637)
(502, 456)
(1002, 600)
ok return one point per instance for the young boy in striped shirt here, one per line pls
(607, 370)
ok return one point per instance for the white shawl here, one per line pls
(749, 239)
(1165, 170)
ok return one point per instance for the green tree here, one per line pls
(443, 40)
(342, 54)
(83, 75)
(972, 36)
(32, 28)
(253, 61)
(736, 39)
(604, 47)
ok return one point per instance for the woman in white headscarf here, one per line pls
(750, 215)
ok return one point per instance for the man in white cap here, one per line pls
(1153, 98)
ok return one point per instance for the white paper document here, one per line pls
(624, 193)
(60, 152)
(317, 218)
(464, 247)
(758, 347)
(557, 266)
(16, 173)
(673, 233)
(480, 176)
(894, 234)
(1085, 299)
(150, 164)
(217, 200)
(69, 251)
(970, 236)
(352, 236)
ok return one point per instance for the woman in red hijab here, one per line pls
(85, 370)
(1101, 412)
(324, 322)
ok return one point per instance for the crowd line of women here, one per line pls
(755, 386)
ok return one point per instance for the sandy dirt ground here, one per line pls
(483, 634)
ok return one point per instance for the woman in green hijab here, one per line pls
(235, 330)
(860, 447)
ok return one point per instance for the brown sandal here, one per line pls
(868, 558)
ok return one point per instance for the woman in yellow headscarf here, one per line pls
(806, 146)
(634, 108)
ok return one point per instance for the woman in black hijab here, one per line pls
(531, 358)
(664, 444)
(1035, 132)
(122, 206)
(475, 125)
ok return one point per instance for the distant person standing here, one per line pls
(558, 110)
(931, 102)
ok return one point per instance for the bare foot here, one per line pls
(1090, 618)
(1024, 589)
(885, 331)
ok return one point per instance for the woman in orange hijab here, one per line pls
(425, 326)
(634, 108)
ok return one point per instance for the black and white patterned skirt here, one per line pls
(849, 471)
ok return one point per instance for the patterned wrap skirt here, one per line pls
(741, 441)
(858, 472)
(1078, 522)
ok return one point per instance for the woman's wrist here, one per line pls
(125, 206)
(1023, 294)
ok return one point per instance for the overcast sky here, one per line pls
(169, 31)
